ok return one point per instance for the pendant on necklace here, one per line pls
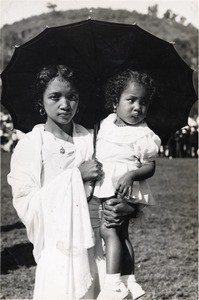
(62, 150)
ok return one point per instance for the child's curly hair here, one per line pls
(49, 72)
(118, 83)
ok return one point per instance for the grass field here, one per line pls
(165, 242)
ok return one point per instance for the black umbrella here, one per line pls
(99, 50)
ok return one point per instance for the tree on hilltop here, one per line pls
(170, 15)
(51, 6)
(153, 10)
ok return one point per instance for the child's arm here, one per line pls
(125, 183)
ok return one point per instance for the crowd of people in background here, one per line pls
(184, 143)
(9, 136)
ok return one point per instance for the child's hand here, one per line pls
(124, 186)
(91, 170)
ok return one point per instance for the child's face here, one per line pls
(133, 104)
(60, 101)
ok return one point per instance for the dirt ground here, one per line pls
(165, 240)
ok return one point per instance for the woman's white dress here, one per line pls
(123, 149)
(49, 196)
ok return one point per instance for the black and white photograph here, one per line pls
(99, 149)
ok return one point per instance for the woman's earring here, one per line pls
(42, 111)
(114, 108)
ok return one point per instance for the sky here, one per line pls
(15, 10)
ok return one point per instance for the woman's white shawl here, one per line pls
(56, 215)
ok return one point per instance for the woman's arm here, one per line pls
(116, 210)
(35, 203)
(125, 183)
(91, 170)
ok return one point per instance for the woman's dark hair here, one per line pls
(118, 83)
(49, 72)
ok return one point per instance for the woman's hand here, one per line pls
(116, 210)
(91, 170)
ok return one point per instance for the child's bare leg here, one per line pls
(113, 249)
(113, 287)
(127, 264)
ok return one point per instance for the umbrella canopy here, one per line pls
(98, 50)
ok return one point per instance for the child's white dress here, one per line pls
(49, 196)
(123, 149)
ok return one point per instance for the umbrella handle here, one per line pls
(95, 131)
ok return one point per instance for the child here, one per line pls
(126, 147)
(47, 168)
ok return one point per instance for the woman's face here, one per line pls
(60, 101)
(133, 104)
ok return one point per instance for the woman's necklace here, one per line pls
(61, 150)
(67, 136)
